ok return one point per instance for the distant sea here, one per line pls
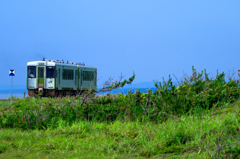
(5, 94)
(126, 90)
(18, 90)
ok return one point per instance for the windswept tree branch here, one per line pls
(107, 86)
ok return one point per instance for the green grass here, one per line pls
(198, 119)
(187, 137)
(4, 104)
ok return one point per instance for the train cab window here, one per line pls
(50, 72)
(31, 71)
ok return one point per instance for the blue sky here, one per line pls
(153, 38)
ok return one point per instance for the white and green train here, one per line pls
(56, 78)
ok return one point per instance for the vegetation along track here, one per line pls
(198, 119)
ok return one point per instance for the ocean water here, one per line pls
(126, 90)
(18, 90)
(5, 94)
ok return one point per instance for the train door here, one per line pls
(40, 77)
(76, 79)
(80, 78)
(58, 78)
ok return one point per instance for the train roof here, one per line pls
(57, 62)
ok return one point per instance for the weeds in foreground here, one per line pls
(199, 117)
(193, 137)
(194, 96)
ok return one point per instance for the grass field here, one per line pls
(198, 119)
(182, 137)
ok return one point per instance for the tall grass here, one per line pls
(194, 96)
(188, 137)
(200, 116)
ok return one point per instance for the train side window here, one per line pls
(67, 74)
(88, 75)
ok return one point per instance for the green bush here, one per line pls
(192, 96)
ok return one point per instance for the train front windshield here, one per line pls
(31, 71)
(50, 72)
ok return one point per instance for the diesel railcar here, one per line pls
(56, 78)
